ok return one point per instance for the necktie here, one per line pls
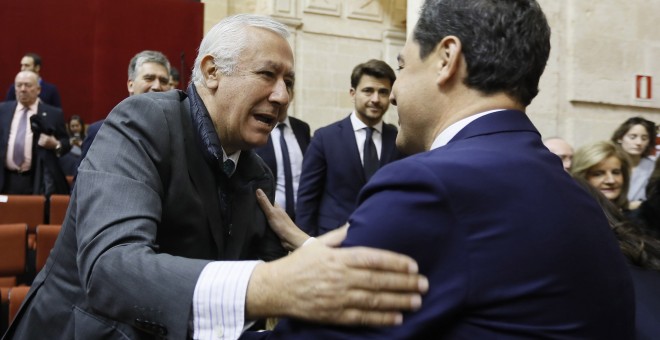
(19, 144)
(370, 155)
(288, 175)
(228, 167)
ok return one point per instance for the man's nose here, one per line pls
(280, 93)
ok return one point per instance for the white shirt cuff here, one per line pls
(219, 299)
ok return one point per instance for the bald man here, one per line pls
(562, 149)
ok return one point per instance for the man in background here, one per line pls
(284, 154)
(561, 148)
(148, 71)
(32, 138)
(344, 155)
(49, 93)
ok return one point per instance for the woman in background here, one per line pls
(636, 136)
(606, 167)
(69, 162)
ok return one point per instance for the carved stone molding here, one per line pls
(366, 10)
(325, 7)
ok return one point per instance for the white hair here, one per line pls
(226, 40)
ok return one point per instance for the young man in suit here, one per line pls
(164, 238)
(49, 93)
(513, 247)
(344, 155)
(32, 138)
(287, 143)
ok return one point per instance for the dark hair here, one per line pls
(640, 249)
(375, 68)
(623, 129)
(35, 57)
(82, 124)
(506, 43)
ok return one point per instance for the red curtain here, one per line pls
(85, 46)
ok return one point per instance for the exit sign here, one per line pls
(643, 87)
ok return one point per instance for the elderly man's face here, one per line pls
(246, 105)
(27, 88)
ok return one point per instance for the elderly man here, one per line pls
(165, 205)
(562, 149)
(32, 137)
(49, 93)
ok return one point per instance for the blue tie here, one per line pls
(288, 174)
(228, 167)
(19, 144)
(370, 155)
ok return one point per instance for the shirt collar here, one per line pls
(452, 130)
(359, 125)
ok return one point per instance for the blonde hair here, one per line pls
(591, 155)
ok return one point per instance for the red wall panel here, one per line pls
(86, 45)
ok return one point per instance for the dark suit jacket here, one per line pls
(49, 94)
(647, 302)
(513, 248)
(143, 221)
(332, 176)
(45, 163)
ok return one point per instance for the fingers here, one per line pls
(335, 237)
(378, 259)
(290, 235)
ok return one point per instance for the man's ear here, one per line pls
(210, 72)
(352, 93)
(449, 57)
(129, 87)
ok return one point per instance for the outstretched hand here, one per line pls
(345, 286)
(290, 235)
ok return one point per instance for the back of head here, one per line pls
(375, 68)
(143, 57)
(591, 155)
(225, 41)
(506, 43)
(623, 129)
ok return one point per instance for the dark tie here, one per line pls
(288, 175)
(228, 167)
(370, 155)
(19, 144)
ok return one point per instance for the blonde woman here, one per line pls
(607, 168)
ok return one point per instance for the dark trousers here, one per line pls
(18, 183)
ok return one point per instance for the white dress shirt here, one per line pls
(452, 130)
(359, 128)
(27, 160)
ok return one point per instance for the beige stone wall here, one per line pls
(587, 89)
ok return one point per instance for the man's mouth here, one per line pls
(270, 120)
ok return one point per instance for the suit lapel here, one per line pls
(389, 144)
(5, 125)
(349, 144)
(202, 177)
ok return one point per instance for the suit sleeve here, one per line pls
(118, 213)
(311, 186)
(61, 134)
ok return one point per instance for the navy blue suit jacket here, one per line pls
(43, 160)
(49, 94)
(300, 130)
(513, 248)
(332, 176)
